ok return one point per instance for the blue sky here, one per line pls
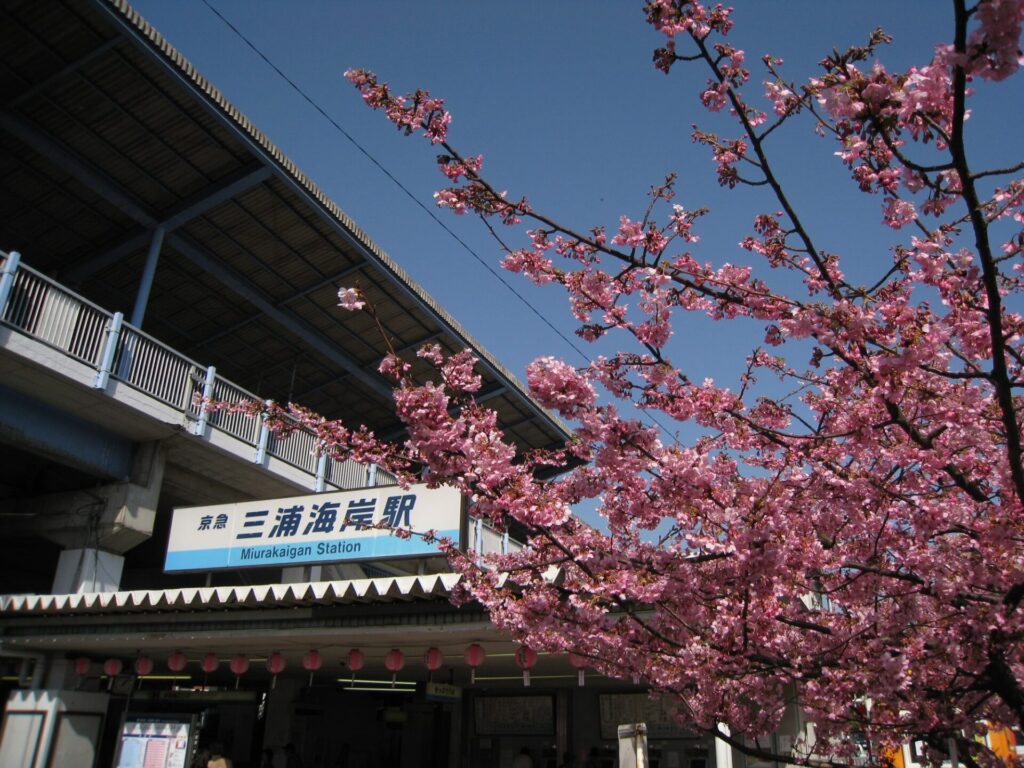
(565, 105)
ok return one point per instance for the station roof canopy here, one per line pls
(108, 134)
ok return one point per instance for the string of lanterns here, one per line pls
(312, 661)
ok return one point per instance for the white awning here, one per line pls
(377, 590)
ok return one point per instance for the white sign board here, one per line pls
(154, 742)
(319, 528)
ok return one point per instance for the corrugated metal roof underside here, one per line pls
(96, 100)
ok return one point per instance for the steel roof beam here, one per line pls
(111, 191)
(68, 160)
(283, 302)
(398, 351)
(209, 199)
(241, 286)
(149, 48)
(61, 73)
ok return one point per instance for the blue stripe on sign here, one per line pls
(197, 559)
(283, 552)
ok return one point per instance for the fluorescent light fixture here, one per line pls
(378, 690)
(369, 681)
(480, 678)
(165, 677)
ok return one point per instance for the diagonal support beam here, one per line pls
(112, 192)
(301, 396)
(207, 200)
(241, 286)
(68, 160)
(321, 208)
(283, 303)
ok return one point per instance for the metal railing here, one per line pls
(485, 539)
(46, 311)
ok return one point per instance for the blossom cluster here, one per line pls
(856, 539)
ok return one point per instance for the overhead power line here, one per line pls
(419, 203)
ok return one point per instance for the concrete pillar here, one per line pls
(112, 518)
(87, 570)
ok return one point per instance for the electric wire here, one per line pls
(419, 203)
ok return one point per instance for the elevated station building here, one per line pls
(156, 246)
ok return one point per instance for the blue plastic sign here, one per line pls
(365, 524)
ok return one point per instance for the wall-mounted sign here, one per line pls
(515, 715)
(442, 692)
(319, 528)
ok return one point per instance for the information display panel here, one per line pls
(155, 741)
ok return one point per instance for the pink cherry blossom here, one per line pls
(842, 528)
(350, 299)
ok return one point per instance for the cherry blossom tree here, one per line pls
(853, 546)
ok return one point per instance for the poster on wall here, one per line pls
(155, 741)
(620, 708)
(366, 524)
(515, 715)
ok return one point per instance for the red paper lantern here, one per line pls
(356, 660)
(525, 659)
(82, 666)
(579, 664)
(177, 661)
(475, 656)
(394, 660)
(239, 664)
(311, 662)
(112, 668)
(275, 665)
(433, 659)
(210, 663)
(143, 665)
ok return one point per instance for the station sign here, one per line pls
(365, 524)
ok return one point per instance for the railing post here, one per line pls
(261, 441)
(321, 473)
(7, 279)
(211, 375)
(109, 350)
(371, 475)
(504, 543)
